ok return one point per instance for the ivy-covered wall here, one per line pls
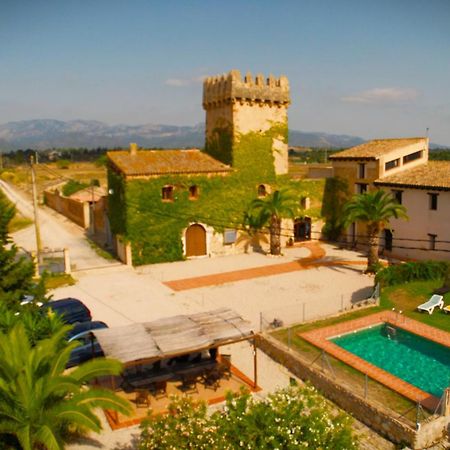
(154, 227)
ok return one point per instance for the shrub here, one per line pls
(73, 186)
(412, 271)
(63, 164)
(291, 418)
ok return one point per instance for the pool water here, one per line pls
(419, 361)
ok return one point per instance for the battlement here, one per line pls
(231, 88)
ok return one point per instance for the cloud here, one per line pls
(384, 96)
(182, 82)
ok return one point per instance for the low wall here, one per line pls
(430, 432)
(74, 210)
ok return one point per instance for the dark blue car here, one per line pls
(89, 347)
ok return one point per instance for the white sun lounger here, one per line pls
(435, 301)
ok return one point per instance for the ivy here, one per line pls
(155, 227)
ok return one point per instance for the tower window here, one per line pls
(361, 188)
(392, 164)
(361, 170)
(193, 192)
(167, 193)
(433, 201)
(398, 196)
(262, 191)
(432, 241)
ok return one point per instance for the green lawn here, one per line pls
(406, 298)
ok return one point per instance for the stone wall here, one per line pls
(380, 420)
(74, 210)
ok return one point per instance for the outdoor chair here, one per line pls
(433, 302)
(159, 389)
(225, 365)
(142, 398)
(447, 309)
(189, 383)
(211, 378)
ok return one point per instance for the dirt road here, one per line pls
(56, 232)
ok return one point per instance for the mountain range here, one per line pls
(49, 133)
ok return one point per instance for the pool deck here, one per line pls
(320, 336)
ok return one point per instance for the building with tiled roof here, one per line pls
(166, 205)
(145, 163)
(401, 167)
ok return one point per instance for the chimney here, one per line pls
(133, 148)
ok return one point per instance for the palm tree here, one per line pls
(39, 403)
(375, 209)
(271, 210)
(252, 225)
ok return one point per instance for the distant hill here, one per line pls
(49, 133)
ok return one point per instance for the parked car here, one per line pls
(70, 309)
(89, 347)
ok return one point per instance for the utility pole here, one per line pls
(36, 215)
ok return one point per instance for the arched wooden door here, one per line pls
(302, 229)
(195, 240)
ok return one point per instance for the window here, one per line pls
(392, 164)
(262, 191)
(432, 241)
(433, 201)
(229, 237)
(304, 202)
(398, 196)
(167, 193)
(361, 188)
(412, 156)
(361, 170)
(193, 192)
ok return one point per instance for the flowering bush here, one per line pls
(292, 418)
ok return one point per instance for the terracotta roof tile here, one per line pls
(432, 175)
(376, 148)
(162, 162)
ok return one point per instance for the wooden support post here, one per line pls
(255, 365)
(67, 268)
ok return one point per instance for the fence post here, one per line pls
(446, 402)
(67, 268)
(289, 338)
(366, 386)
(34, 258)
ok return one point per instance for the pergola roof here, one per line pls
(171, 336)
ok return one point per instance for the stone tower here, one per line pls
(251, 111)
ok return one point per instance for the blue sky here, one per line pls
(368, 68)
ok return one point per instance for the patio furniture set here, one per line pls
(147, 383)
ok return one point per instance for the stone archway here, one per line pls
(302, 229)
(195, 240)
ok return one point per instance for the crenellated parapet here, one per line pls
(231, 88)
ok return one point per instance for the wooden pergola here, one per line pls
(149, 342)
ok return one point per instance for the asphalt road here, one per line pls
(57, 232)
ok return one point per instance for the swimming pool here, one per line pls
(419, 361)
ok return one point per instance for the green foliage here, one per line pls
(336, 194)
(271, 209)
(439, 154)
(73, 186)
(63, 164)
(292, 418)
(375, 209)
(412, 271)
(311, 156)
(40, 403)
(101, 161)
(16, 272)
(219, 144)
(155, 228)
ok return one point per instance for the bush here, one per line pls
(291, 418)
(73, 186)
(63, 164)
(412, 271)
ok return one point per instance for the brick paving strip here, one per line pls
(317, 253)
(320, 336)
